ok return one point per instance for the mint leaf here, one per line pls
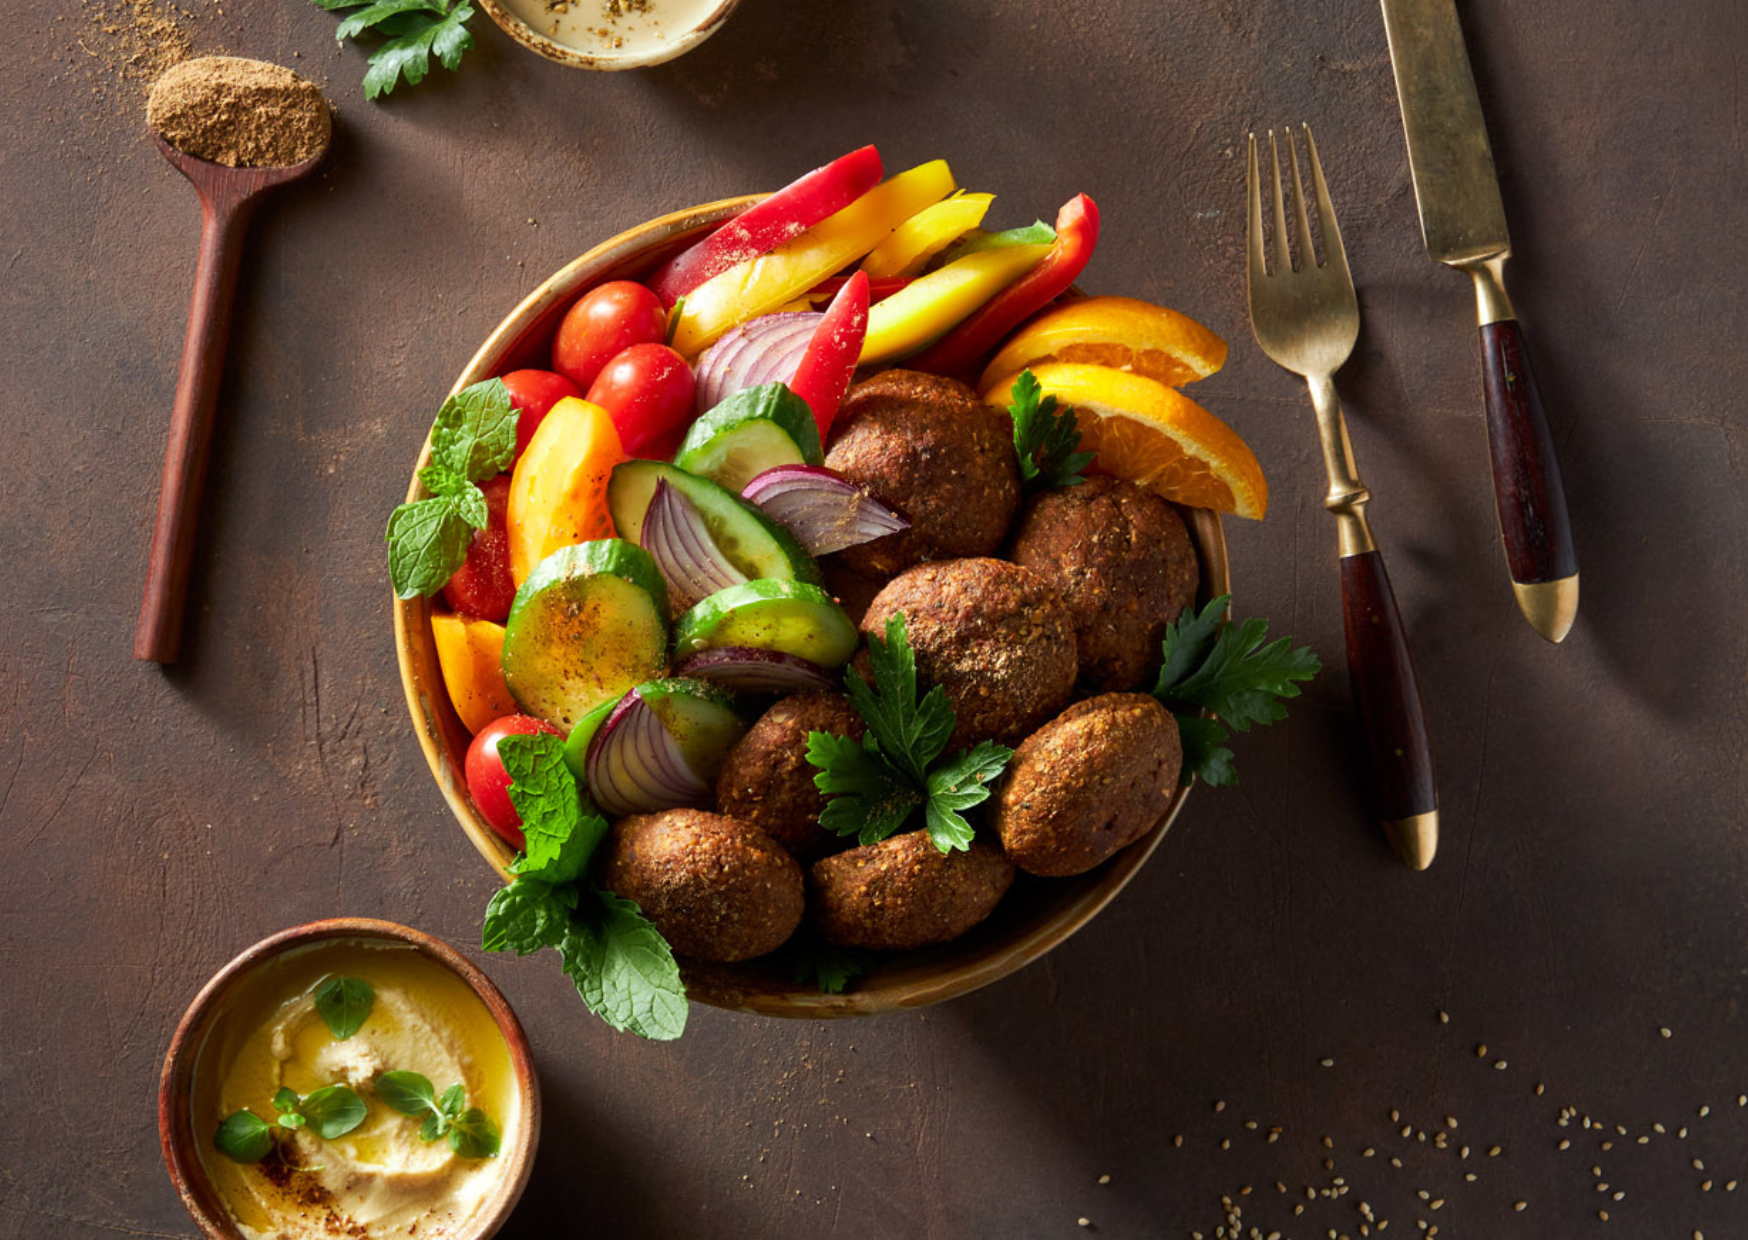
(829, 966)
(243, 1137)
(427, 541)
(333, 1111)
(1204, 756)
(410, 1093)
(1045, 439)
(910, 735)
(870, 800)
(409, 55)
(474, 433)
(528, 915)
(959, 785)
(624, 969)
(344, 1004)
(453, 1099)
(547, 796)
(473, 1135)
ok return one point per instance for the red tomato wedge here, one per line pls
(824, 374)
(766, 225)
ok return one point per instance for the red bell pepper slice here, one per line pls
(962, 350)
(824, 374)
(766, 225)
(879, 287)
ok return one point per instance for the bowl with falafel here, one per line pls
(826, 679)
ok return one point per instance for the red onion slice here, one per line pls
(747, 669)
(823, 509)
(679, 542)
(767, 349)
(635, 766)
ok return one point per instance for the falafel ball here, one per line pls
(767, 781)
(1121, 559)
(942, 457)
(715, 887)
(993, 634)
(904, 892)
(1091, 781)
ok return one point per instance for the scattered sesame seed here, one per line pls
(1494, 1152)
(1681, 1132)
(1327, 1062)
(1395, 1116)
(1469, 1176)
(1620, 1196)
(1602, 1188)
(1225, 1143)
(1250, 1124)
(1608, 1145)
(1177, 1141)
(1219, 1107)
(1438, 1203)
(1520, 1205)
(1423, 1194)
(1104, 1179)
(1705, 1186)
(1597, 1172)
(1464, 1152)
(1665, 1031)
(1658, 1128)
(1499, 1064)
(1408, 1130)
(1450, 1121)
(1699, 1164)
(1444, 1018)
(1539, 1089)
(1396, 1162)
(1367, 1152)
(1704, 1111)
(1603, 1215)
(1328, 1144)
(1481, 1051)
(1644, 1140)
(1084, 1222)
(1730, 1187)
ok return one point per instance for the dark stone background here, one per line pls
(1591, 884)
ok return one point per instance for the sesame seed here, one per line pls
(1682, 1133)
(1481, 1051)
(1104, 1179)
(1328, 1144)
(1367, 1152)
(1621, 1129)
(1327, 1062)
(1705, 1186)
(1395, 1116)
(1250, 1124)
(1608, 1145)
(1084, 1222)
(1644, 1140)
(1499, 1064)
(1494, 1152)
(1730, 1187)
(1539, 1089)
(1565, 1145)
(1699, 1164)
(1658, 1128)
(1444, 1018)
(1408, 1130)
(1597, 1172)
(1602, 1188)
(1450, 1121)
(1219, 1107)
(1396, 1162)
(1225, 1143)
(1620, 1196)
(1177, 1141)
(1520, 1205)
(1603, 1215)
(1665, 1031)
(1464, 1152)
(1704, 1111)
(1438, 1203)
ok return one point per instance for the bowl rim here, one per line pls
(518, 29)
(914, 979)
(176, 1133)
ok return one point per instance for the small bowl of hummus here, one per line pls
(349, 1078)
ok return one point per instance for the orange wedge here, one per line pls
(1119, 332)
(1154, 436)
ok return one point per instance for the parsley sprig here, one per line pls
(473, 438)
(1046, 438)
(877, 783)
(415, 30)
(620, 963)
(1226, 670)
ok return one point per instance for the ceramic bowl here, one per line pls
(204, 1018)
(1036, 915)
(585, 34)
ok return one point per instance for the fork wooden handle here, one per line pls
(1387, 696)
(1526, 484)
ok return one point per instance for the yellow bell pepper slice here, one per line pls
(925, 234)
(558, 492)
(470, 650)
(929, 307)
(760, 285)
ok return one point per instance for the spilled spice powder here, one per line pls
(134, 40)
(240, 113)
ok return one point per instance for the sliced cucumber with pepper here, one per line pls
(576, 745)
(588, 624)
(788, 616)
(753, 543)
(754, 430)
(700, 717)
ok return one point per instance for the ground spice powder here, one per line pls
(240, 113)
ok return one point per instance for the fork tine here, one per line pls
(1307, 251)
(1257, 267)
(1334, 254)
(1283, 259)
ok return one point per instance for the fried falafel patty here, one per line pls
(715, 887)
(904, 892)
(1122, 562)
(767, 781)
(1088, 783)
(944, 459)
(993, 634)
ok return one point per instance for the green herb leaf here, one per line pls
(1045, 438)
(474, 1135)
(1188, 641)
(453, 1099)
(959, 785)
(410, 1093)
(624, 969)
(285, 1101)
(1035, 233)
(432, 1128)
(910, 735)
(1204, 756)
(561, 837)
(409, 54)
(427, 541)
(344, 1004)
(373, 15)
(829, 966)
(474, 433)
(870, 799)
(243, 1137)
(674, 321)
(528, 915)
(333, 1111)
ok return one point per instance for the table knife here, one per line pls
(1463, 222)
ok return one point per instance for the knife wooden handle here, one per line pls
(1526, 477)
(1387, 696)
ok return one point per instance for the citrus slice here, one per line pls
(1119, 332)
(1154, 436)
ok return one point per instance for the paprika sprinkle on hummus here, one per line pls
(240, 113)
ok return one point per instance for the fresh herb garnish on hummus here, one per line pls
(329, 1112)
(878, 782)
(1046, 438)
(471, 1132)
(1226, 670)
(620, 963)
(415, 30)
(344, 1004)
(473, 438)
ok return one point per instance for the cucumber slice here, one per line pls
(576, 745)
(700, 717)
(754, 430)
(588, 624)
(753, 543)
(788, 616)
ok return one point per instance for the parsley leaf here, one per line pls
(909, 735)
(829, 966)
(415, 30)
(560, 836)
(958, 785)
(624, 969)
(1226, 671)
(870, 799)
(1045, 438)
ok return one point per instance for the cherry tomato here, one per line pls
(648, 391)
(604, 323)
(482, 586)
(533, 392)
(487, 780)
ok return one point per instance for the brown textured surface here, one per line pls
(1590, 887)
(904, 893)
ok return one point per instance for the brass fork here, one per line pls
(1307, 320)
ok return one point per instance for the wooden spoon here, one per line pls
(227, 198)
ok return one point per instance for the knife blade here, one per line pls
(1462, 219)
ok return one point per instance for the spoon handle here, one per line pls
(223, 223)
